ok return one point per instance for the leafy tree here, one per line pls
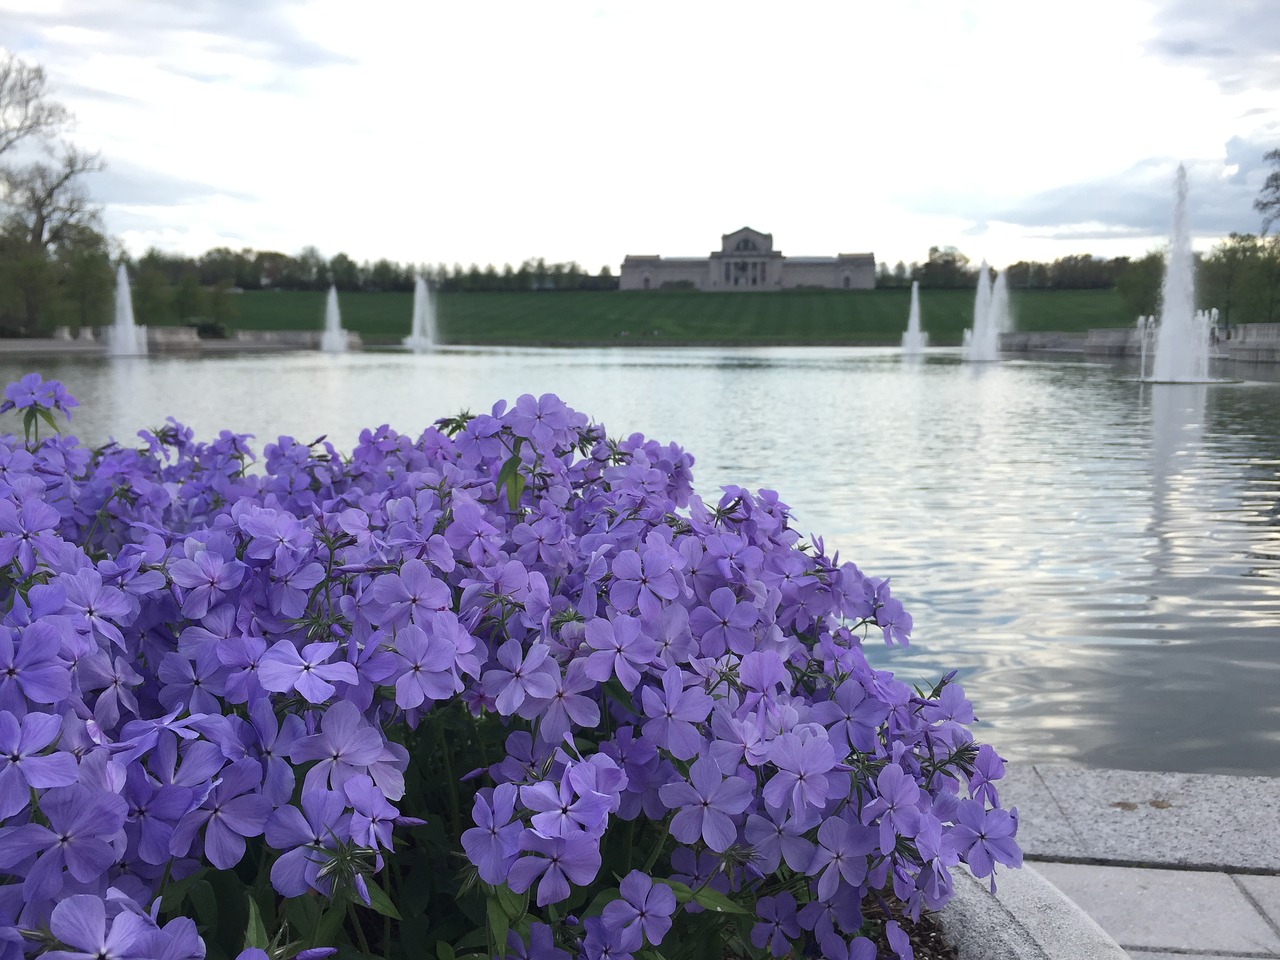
(223, 308)
(1139, 284)
(1224, 275)
(313, 269)
(946, 267)
(152, 294)
(344, 273)
(189, 298)
(385, 275)
(1264, 283)
(85, 276)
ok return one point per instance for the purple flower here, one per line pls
(841, 855)
(707, 804)
(372, 816)
(207, 578)
(493, 843)
(522, 674)
(232, 811)
(984, 838)
(778, 925)
(283, 669)
(345, 746)
(80, 922)
(643, 914)
(413, 594)
(988, 767)
(427, 660)
(154, 810)
(275, 742)
(776, 837)
(541, 420)
(557, 860)
(803, 764)
(851, 717)
(645, 580)
(621, 649)
(23, 764)
(724, 624)
(896, 806)
(673, 713)
(90, 599)
(557, 812)
(30, 668)
(26, 535)
(568, 705)
(306, 835)
(83, 824)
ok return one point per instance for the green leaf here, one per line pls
(206, 904)
(510, 477)
(682, 891)
(47, 417)
(176, 892)
(515, 487)
(444, 951)
(255, 934)
(513, 904)
(499, 925)
(327, 929)
(303, 913)
(379, 901)
(600, 901)
(716, 901)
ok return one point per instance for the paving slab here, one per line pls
(1200, 821)
(1166, 910)
(1164, 955)
(1265, 892)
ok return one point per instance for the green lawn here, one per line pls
(800, 316)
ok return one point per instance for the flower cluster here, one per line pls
(509, 687)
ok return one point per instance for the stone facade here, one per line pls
(747, 261)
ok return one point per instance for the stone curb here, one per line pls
(1027, 919)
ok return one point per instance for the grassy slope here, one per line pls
(819, 316)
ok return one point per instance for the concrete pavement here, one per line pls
(1169, 865)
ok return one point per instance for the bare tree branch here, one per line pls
(1268, 202)
(25, 108)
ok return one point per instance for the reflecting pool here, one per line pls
(1098, 557)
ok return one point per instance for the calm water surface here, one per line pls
(1099, 558)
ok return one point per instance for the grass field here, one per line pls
(799, 316)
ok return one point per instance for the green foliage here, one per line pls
(1139, 286)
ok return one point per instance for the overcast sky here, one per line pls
(497, 131)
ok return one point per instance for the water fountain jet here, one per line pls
(422, 333)
(914, 340)
(334, 338)
(125, 338)
(1182, 337)
(991, 317)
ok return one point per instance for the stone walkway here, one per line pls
(1169, 865)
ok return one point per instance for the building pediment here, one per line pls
(746, 241)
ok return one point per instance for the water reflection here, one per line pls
(1097, 557)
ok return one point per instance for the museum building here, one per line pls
(747, 261)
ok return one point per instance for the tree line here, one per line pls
(310, 270)
(948, 269)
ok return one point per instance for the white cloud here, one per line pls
(587, 130)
